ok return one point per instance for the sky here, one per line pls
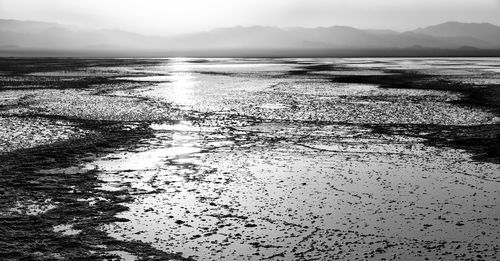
(169, 17)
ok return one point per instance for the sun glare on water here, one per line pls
(182, 83)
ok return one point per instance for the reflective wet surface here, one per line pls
(272, 159)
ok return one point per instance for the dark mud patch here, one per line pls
(76, 74)
(21, 66)
(482, 140)
(310, 68)
(55, 83)
(217, 73)
(479, 95)
(48, 174)
(487, 95)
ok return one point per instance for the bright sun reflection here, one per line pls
(183, 83)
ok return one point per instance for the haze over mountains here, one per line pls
(16, 36)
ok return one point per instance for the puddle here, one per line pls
(146, 160)
(183, 126)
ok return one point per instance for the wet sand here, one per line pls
(250, 159)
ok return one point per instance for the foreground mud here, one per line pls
(293, 159)
(52, 214)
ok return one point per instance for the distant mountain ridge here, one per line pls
(482, 31)
(449, 35)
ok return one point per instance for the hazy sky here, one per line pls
(183, 16)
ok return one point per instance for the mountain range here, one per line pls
(16, 36)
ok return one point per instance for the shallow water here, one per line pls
(246, 200)
(280, 159)
(287, 190)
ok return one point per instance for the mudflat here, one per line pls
(250, 159)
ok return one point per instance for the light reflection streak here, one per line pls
(183, 83)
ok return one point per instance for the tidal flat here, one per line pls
(250, 159)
